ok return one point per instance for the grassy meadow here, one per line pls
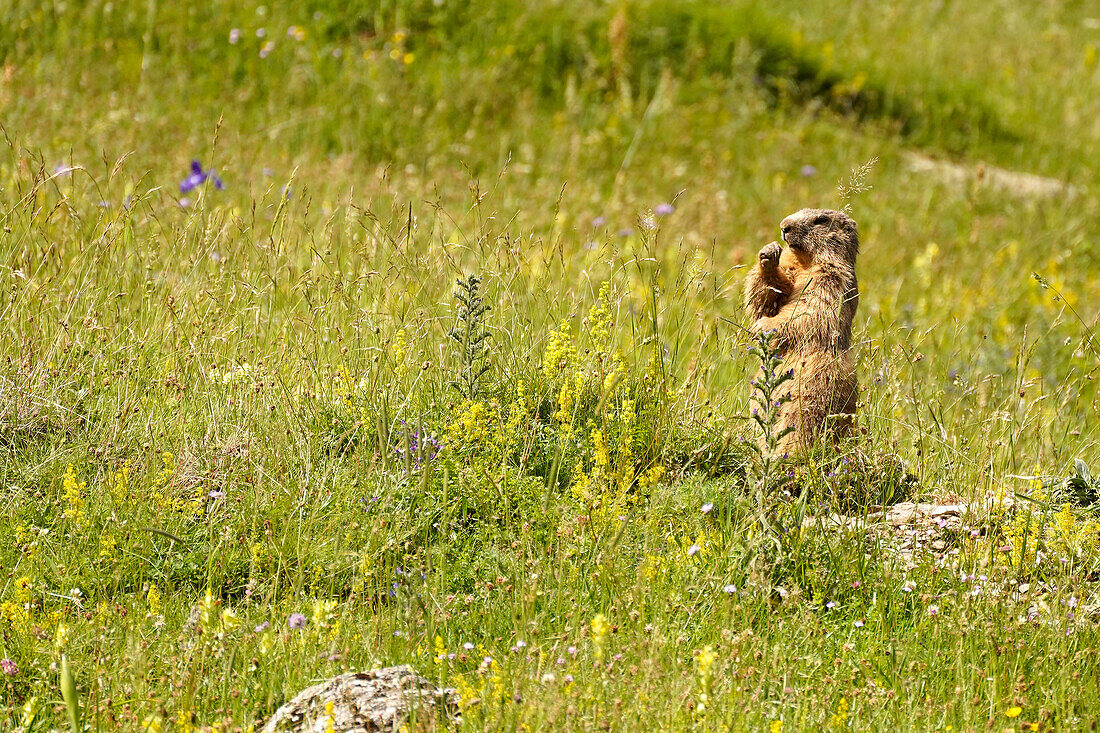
(259, 426)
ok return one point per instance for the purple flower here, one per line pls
(234, 35)
(599, 222)
(9, 667)
(693, 550)
(663, 209)
(730, 589)
(808, 171)
(626, 232)
(859, 624)
(296, 621)
(198, 177)
(706, 508)
(260, 628)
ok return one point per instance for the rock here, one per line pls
(901, 514)
(947, 510)
(376, 700)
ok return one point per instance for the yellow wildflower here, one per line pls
(74, 498)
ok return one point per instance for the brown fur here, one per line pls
(807, 293)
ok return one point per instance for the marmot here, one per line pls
(807, 293)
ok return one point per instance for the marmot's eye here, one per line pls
(821, 220)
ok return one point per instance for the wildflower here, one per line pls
(626, 232)
(933, 610)
(198, 177)
(234, 35)
(600, 631)
(260, 628)
(572, 651)
(599, 221)
(693, 550)
(776, 726)
(1012, 712)
(859, 624)
(706, 508)
(74, 496)
(468, 646)
(153, 599)
(705, 661)
(830, 605)
(230, 620)
(9, 667)
(266, 50)
(730, 589)
(297, 621)
(663, 209)
(808, 171)
(908, 587)
(568, 678)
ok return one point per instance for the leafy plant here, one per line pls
(470, 335)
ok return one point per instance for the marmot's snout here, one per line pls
(789, 229)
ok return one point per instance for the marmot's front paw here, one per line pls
(770, 254)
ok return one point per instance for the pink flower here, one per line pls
(9, 667)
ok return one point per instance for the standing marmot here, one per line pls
(808, 294)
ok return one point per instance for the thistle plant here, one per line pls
(470, 334)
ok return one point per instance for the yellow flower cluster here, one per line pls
(74, 497)
(471, 426)
(839, 719)
(153, 598)
(345, 385)
(120, 483)
(704, 661)
(600, 633)
(560, 353)
(17, 609)
(599, 321)
(489, 682)
(651, 567)
(398, 351)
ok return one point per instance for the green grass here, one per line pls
(214, 405)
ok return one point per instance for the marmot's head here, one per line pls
(822, 234)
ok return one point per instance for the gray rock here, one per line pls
(362, 702)
(901, 514)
